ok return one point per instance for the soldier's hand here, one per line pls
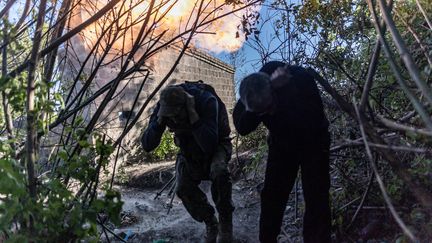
(179, 123)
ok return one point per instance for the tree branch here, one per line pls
(404, 53)
(31, 145)
(7, 7)
(415, 102)
(387, 199)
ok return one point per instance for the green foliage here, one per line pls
(254, 139)
(58, 213)
(335, 37)
(167, 150)
(421, 168)
(16, 90)
(257, 158)
(338, 39)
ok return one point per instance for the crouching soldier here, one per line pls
(287, 101)
(199, 121)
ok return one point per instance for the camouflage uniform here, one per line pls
(205, 148)
(190, 172)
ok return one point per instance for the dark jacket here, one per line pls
(202, 139)
(298, 118)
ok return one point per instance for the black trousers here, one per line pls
(281, 172)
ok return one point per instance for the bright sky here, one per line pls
(250, 57)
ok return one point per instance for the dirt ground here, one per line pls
(145, 219)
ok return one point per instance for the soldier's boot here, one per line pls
(211, 230)
(225, 229)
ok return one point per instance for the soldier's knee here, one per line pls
(181, 190)
(219, 173)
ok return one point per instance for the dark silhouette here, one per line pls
(287, 101)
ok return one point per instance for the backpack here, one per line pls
(224, 128)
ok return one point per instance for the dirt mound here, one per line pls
(149, 176)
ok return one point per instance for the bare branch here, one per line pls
(387, 199)
(403, 128)
(420, 192)
(6, 7)
(424, 14)
(66, 36)
(24, 14)
(404, 53)
(417, 38)
(5, 102)
(363, 200)
(370, 74)
(416, 103)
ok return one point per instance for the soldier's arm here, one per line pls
(205, 130)
(245, 122)
(152, 135)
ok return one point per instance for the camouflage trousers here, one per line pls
(190, 173)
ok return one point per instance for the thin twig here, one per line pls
(65, 37)
(370, 74)
(400, 127)
(6, 7)
(420, 192)
(415, 102)
(363, 200)
(404, 53)
(417, 38)
(424, 14)
(387, 199)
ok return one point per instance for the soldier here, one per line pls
(199, 121)
(287, 101)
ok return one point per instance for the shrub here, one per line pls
(253, 140)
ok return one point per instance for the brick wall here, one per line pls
(194, 65)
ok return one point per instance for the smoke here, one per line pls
(222, 35)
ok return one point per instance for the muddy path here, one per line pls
(145, 219)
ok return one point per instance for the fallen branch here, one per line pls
(421, 193)
(387, 199)
(351, 143)
(363, 200)
(403, 128)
